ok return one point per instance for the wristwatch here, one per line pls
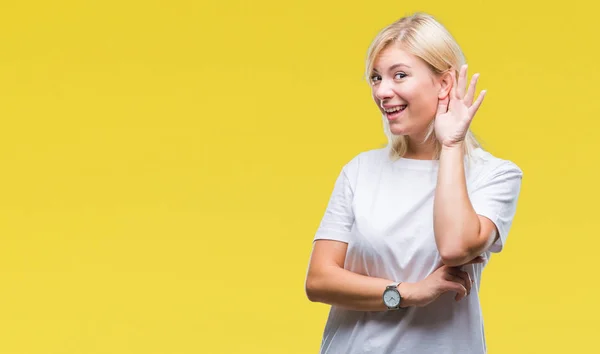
(392, 297)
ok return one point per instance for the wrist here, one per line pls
(455, 146)
(407, 291)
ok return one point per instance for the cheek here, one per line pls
(422, 99)
(409, 92)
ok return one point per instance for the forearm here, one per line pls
(341, 287)
(456, 225)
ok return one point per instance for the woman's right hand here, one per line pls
(443, 279)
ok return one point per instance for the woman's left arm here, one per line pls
(460, 234)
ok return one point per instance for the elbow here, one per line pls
(311, 288)
(460, 248)
(460, 254)
(454, 256)
(453, 260)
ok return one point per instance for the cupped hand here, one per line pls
(456, 111)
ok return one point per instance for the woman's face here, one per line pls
(406, 91)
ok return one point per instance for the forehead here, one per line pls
(393, 55)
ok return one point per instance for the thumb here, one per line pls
(443, 105)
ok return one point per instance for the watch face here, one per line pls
(391, 298)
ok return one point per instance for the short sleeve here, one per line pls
(338, 220)
(496, 198)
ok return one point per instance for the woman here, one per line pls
(409, 228)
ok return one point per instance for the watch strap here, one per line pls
(393, 285)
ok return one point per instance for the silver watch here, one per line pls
(391, 296)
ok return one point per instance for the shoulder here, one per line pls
(367, 160)
(364, 162)
(486, 166)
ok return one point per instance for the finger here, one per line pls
(458, 288)
(452, 93)
(465, 278)
(459, 280)
(471, 91)
(443, 106)
(462, 82)
(473, 109)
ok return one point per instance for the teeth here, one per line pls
(394, 109)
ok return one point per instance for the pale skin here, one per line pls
(461, 235)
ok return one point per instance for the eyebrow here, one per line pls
(395, 66)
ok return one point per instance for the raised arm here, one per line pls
(460, 233)
(463, 231)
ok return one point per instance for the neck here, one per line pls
(419, 150)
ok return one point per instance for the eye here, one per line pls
(375, 78)
(400, 75)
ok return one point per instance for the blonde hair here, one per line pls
(424, 37)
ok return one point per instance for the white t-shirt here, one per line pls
(383, 209)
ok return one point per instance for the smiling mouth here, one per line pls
(394, 112)
(394, 109)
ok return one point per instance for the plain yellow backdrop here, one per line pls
(165, 164)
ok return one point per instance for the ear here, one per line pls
(445, 82)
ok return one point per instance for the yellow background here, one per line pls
(165, 164)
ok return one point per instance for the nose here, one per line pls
(384, 90)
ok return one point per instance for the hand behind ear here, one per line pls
(456, 110)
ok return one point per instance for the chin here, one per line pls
(398, 129)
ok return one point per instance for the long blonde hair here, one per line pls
(424, 37)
